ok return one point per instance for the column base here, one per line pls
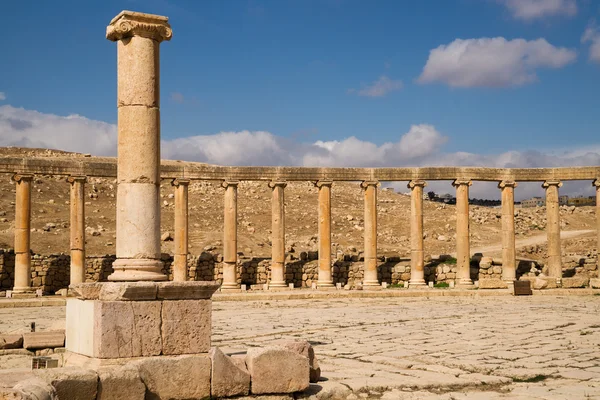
(23, 290)
(371, 284)
(131, 270)
(325, 284)
(230, 287)
(278, 284)
(465, 283)
(417, 283)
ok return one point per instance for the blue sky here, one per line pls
(511, 77)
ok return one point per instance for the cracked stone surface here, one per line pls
(539, 347)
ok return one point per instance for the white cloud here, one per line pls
(532, 9)
(379, 88)
(177, 97)
(421, 145)
(592, 35)
(2, 96)
(492, 62)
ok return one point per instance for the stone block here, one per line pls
(71, 383)
(595, 283)
(539, 284)
(186, 290)
(277, 370)
(181, 377)
(304, 348)
(492, 284)
(34, 388)
(9, 341)
(575, 282)
(186, 326)
(115, 381)
(128, 291)
(43, 340)
(228, 377)
(86, 291)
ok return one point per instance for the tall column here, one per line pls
(417, 274)
(230, 237)
(553, 229)
(325, 279)
(77, 202)
(22, 233)
(180, 240)
(463, 251)
(278, 234)
(370, 270)
(597, 185)
(138, 37)
(509, 255)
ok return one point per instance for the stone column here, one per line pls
(417, 275)
(77, 202)
(278, 234)
(509, 255)
(230, 237)
(463, 251)
(22, 233)
(370, 270)
(138, 37)
(597, 185)
(180, 241)
(553, 229)
(325, 278)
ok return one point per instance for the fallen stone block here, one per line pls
(304, 348)
(228, 379)
(492, 284)
(539, 284)
(11, 341)
(71, 383)
(43, 340)
(575, 282)
(35, 389)
(277, 370)
(116, 381)
(180, 377)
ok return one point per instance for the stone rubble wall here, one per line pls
(51, 272)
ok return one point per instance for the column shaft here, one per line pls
(181, 230)
(230, 279)
(417, 274)
(370, 255)
(278, 234)
(22, 233)
(77, 202)
(463, 251)
(596, 184)
(325, 278)
(509, 255)
(138, 37)
(553, 229)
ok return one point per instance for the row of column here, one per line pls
(77, 233)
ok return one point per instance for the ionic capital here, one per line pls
(180, 182)
(78, 179)
(460, 182)
(596, 183)
(226, 184)
(323, 182)
(547, 184)
(129, 23)
(274, 184)
(366, 184)
(22, 177)
(416, 183)
(505, 184)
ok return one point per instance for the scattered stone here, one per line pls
(43, 340)
(9, 341)
(34, 389)
(71, 382)
(277, 370)
(304, 348)
(575, 282)
(228, 379)
(166, 237)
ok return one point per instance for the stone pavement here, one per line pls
(538, 347)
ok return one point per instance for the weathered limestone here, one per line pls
(277, 370)
(370, 195)
(596, 184)
(227, 378)
(278, 234)
(304, 348)
(22, 233)
(463, 253)
(230, 236)
(115, 381)
(324, 278)
(77, 202)
(417, 274)
(553, 229)
(11, 341)
(138, 163)
(43, 340)
(181, 230)
(186, 326)
(509, 255)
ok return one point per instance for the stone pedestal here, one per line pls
(278, 235)
(463, 252)
(325, 279)
(77, 202)
(123, 320)
(553, 229)
(138, 37)
(22, 235)
(417, 274)
(370, 192)
(230, 282)
(509, 255)
(181, 230)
